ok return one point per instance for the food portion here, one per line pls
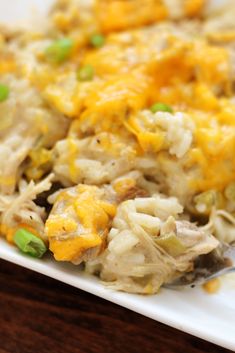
(117, 137)
(148, 245)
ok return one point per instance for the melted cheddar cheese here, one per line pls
(144, 58)
(79, 221)
(185, 74)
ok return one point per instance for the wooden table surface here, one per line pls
(41, 315)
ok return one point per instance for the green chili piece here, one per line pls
(97, 40)
(171, 244)
(85, 73)
(4, 92)
(161, 107)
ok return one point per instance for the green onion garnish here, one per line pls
(29, 244)
(85, 73)
(97, 40)
(59, 51)
(4, 92)
(161, 107)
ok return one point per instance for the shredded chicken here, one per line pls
(149, 246)
(22, 127)
(20, 210)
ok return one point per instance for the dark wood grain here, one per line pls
(38, 314)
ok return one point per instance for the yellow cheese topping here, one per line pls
(80, 220)
(115, 15)
(194, 7)
(141, 62)
(185, 74)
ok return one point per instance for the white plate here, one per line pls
(211, 317)
(23, 13)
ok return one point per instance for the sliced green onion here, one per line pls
(205, 201)
(97, 40)
(161, 107)
(29, 244)
(59, 51)
(85, 73)
(4, 92)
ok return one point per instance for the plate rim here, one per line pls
(93, 286)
